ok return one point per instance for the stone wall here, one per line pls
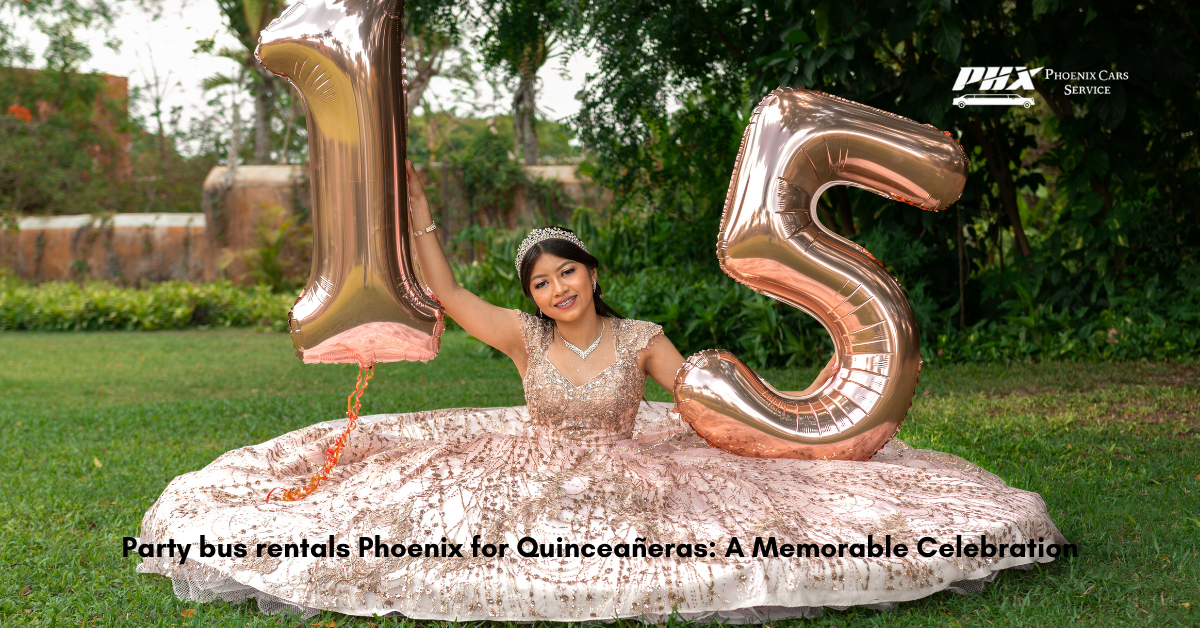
(237, 205)
(133, 248)
(125, 248)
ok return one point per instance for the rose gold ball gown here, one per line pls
(590, 465)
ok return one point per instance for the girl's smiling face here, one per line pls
(562, 288)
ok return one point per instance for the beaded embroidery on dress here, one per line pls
(590, 464)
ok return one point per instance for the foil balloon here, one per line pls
(800, 143)
(363, 302)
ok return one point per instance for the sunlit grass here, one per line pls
(96, 424)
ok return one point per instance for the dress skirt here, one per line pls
(415, 515)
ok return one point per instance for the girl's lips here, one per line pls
(565, 303)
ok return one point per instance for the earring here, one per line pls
(595, 286)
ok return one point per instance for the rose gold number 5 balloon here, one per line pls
(363, 302)
(800, 143)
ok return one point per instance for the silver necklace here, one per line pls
(584, 353)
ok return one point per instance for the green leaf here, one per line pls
(773, 59)
(948, 39)
(215, 81)
(797, 36)
(204, 45)
(822, 20)
(1111, 108)
(924, 11)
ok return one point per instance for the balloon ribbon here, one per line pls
(353, 405)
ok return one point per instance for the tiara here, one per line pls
(546, 233)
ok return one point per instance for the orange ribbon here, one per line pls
(353, 405)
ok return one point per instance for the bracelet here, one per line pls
(429, 229)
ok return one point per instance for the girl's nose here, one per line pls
(560, 286)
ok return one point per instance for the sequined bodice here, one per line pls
(602, 409)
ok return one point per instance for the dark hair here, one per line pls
(566, 250)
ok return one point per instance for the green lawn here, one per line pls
(96, 424)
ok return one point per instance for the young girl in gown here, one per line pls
(637, 513)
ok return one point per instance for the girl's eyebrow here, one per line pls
(557, 269)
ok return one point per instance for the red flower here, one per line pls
(20, 113)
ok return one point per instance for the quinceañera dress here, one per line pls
(589, 470)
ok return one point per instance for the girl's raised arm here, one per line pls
(493, 325)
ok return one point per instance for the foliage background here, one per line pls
(1077, 232)
(1075, 236)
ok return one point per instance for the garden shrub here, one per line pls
(697, 309)
(700, 309)
(62, 306)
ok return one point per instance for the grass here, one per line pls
(96, 424)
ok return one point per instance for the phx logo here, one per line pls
(995, 79)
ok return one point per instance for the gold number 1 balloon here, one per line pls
(798, 144)
(363, 302)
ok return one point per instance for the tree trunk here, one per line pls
(997, 164)
(524, 106)
(844, 214)
(827, 219)
(295, 115)
(416, 89)
(264, 104)
(162, 140)
(235, 136)
(418, 82)
(424, 58)
(287, 138)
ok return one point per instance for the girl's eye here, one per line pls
(539, 284)
(569, 270)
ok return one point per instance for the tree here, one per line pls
(1108, 154)
(519, 35)
(157, 88)
(426, 50)
(429, 40)
(237, 83)
(245, 19)
(60, 140)
(59, 21)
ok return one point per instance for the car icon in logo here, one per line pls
(993, 99)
